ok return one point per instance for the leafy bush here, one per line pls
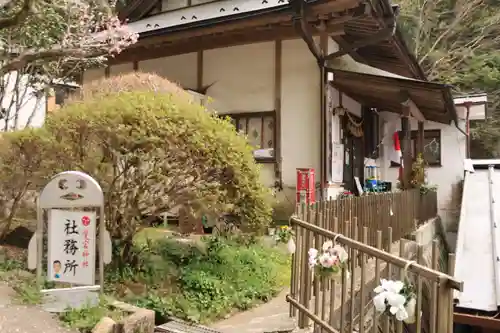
(212, 278)
(152, 150)
(153, 153)
(85, 319)
(24, 167)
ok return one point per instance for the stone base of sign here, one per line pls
(139, 320)
(60, 300)
(105, 325)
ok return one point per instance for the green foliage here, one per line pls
(209, 280)
(85, 319)
(22, 282)
(151, 152)
(456, 43)
(23, 169)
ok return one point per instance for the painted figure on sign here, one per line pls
(56, 265)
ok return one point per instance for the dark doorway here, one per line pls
(353, 154)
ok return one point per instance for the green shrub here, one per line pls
(213, 278)
(152, 150)
(85, 319)
(24, 168)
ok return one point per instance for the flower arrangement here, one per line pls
(284, 234)
(330, 261)
(396, 299)
(345, 194)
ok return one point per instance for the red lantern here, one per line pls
(306, 189)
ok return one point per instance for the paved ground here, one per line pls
(25, 319)
(269, 317)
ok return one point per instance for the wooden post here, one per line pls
(420, 138)
(278, 55)
(407, 158)
(323, 118)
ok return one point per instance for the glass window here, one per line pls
(260, 129)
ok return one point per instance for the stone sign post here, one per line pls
(74, 205)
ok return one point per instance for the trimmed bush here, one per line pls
(25, 165)
(152, 150)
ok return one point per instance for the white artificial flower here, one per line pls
(312, 252)
(384, 286)
(326, 260)
(341, 253)
(410, 309)
(401, 314)
(291, 246)
(312, 262)
(379, 302)
(395, 300)
(327, 245)
(396, 287)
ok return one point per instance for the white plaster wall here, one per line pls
(242, 79)
(446, 177)
(93, 74)
(121, 69)
(300, 111)
(180, 69)
(29, 111)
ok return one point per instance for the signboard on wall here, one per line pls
(337, 163)
(72, 247)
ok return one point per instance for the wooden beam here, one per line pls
(477, 320)
(225, 28)
(414, 110)
(323, 76)
(407, 158)
(208, 43)
(278, 74)
(344, 45)
(263, 20)
(305, 31)
(420, 138)
(199, 70)
(390, 105)
(374, 39)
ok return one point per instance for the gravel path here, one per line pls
(25, 319)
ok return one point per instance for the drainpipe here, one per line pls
(467, 129)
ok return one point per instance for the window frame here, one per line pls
(428, 134)
(262, 115)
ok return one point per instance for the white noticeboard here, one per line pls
(337, 163)
(71, 246)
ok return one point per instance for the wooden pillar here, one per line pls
(406, 136)
(323, 118)
(278, 55)
(420, 139)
